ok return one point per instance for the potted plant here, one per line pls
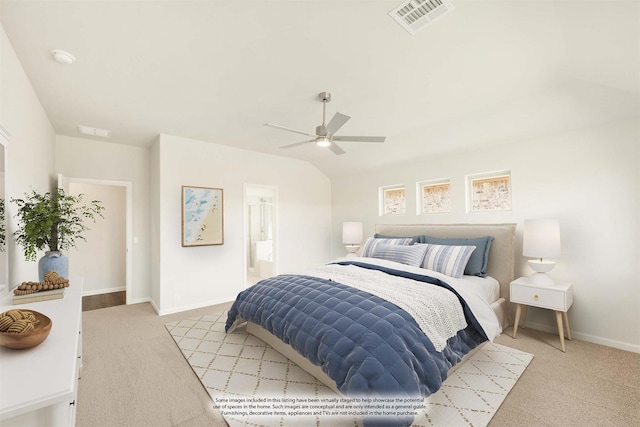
(52, 222)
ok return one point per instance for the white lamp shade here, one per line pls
(541, 238)
(352, 233)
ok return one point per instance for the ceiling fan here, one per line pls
(325, 133)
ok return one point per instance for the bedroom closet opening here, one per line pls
(260, 213)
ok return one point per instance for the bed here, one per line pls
(361, 324)
(501, 263)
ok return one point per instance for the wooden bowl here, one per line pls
(30, 339)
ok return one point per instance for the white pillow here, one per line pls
(449, 260)
(370, 245)
(410, 255)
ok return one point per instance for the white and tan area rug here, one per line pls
(254, 385)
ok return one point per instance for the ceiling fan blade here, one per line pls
(336, 123)
(290, 130)
(336, 150)
(360, 138)
(298, 143)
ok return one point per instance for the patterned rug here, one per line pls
(254, 385)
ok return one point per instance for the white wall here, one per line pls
(101, 259)
(198, 276)
(154, 220)
(83, 158)
(30, 152)
(588, 179)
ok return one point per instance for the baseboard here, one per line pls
(155, 307)
(104, 291)
(587, 337)
(140, 300)
(190, 307)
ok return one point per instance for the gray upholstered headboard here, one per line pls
(501, 257)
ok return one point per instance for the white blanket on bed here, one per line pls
(473, 295)
(437, 311)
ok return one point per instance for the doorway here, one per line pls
(260, 208)
(105, 259)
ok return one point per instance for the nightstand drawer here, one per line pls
(537, 297)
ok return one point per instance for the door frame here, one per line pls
(4, 270)
(64, 181)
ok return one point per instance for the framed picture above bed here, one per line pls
(490, 191)
(434, 196)
(392, 200)
(202, 216)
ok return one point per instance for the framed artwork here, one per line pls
(202, 216)
(489, 192)
(434, 196)
(393, 200)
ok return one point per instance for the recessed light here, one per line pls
(88, 130)
(63, 57)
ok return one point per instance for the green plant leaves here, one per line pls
(53, 222)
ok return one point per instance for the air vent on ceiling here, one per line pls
(414, 15)
(88, 130)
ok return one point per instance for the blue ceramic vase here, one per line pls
(53, 260)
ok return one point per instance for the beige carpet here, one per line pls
(135, 375)
(239, 368)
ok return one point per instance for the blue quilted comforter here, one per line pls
(369, 346)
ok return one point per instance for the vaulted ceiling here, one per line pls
(489, 72)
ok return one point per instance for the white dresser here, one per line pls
(39, 386)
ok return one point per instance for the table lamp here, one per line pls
(352, 236)
(541, 240)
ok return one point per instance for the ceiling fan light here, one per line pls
(323, 141)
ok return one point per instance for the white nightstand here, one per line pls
(557, 297)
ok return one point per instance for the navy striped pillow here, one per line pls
(410, 255)
(449, 260)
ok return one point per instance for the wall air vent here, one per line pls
(414, 15)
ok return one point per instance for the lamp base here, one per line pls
(351, 250)
(541, 266)
(541, 279)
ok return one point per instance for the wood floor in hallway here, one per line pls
(94, 302)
